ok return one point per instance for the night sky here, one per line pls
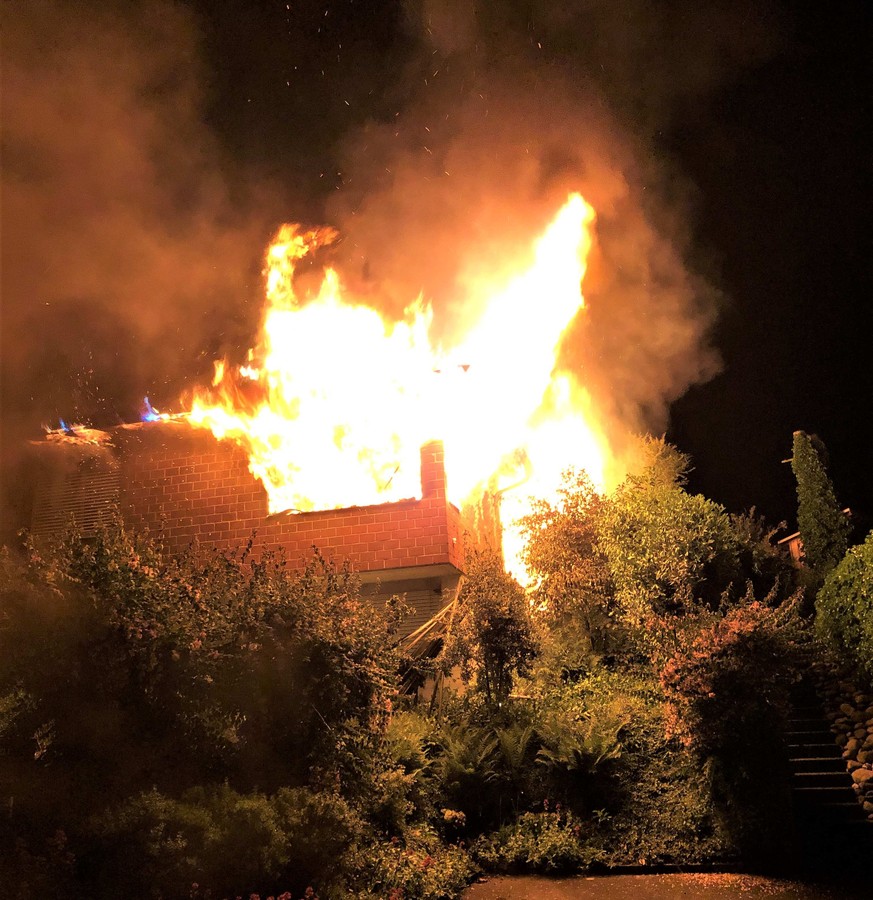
(150, 149)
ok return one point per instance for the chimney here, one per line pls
(433, 471)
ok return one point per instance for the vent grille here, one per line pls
(88, 499)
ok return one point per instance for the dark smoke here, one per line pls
(507, 108)
(121, 246)
(133, 231)
(125, 263)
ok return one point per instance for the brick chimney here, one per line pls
(433, 470)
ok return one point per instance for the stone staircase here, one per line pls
(831, 829)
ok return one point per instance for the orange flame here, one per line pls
(335, 401)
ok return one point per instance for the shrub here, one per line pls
(418, 867)
(731, 678)
(573, 589)
(844, 608)
(189, 668)
(466, 769)
(668, 551)
(727, 699)
(490, 635)
(225, 842)
(580, 742)
(550, 842)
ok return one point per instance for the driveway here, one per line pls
(707, 886)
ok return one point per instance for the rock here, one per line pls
(842, 740)
(868, 806)
(868, 743)
(859, 716)
(860, 734)
(853, 764)
(847, 709)
(864, 756)
(853, 746)
(862, 776)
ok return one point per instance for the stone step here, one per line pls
(811, 736)
(815, 748)
(822, 779)
(815, 723)
(829, 793)
(833, 763)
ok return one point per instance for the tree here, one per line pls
(573, 588)
(824, 528)
(669, 551)
(491, 635)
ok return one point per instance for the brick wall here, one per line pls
(183, 484)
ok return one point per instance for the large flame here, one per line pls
(335, 401)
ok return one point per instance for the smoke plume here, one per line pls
(121, 246)
(505, 109)
(133, 231)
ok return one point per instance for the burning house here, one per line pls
(184, 486)
(330, 433)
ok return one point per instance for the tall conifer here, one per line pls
(824, 527)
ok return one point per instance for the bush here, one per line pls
(669, 551)
(727, 701)
(466, 769)
(153, 669)
(573, 591)
(731, 679)
(551, 842)
(225, 842)
(844, 608)
(490, 634)
(418, 867)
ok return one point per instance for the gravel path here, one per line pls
(660, 887)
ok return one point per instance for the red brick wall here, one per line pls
(183, 484)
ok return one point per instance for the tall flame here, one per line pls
(335, 400)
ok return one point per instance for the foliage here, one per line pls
(844, 608)
(668, 551)
(824, 528)
(417, 867)
(466, 768)
(408, 736)
(731, 675)
(651, 803)
(580, 742)
(729, 682)
(123, 668)
(573, 588)
(490, 634)
(514, 742)
(220, 840)
(549, 842)
(197, 665)
(761, 562)
(220, 719)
